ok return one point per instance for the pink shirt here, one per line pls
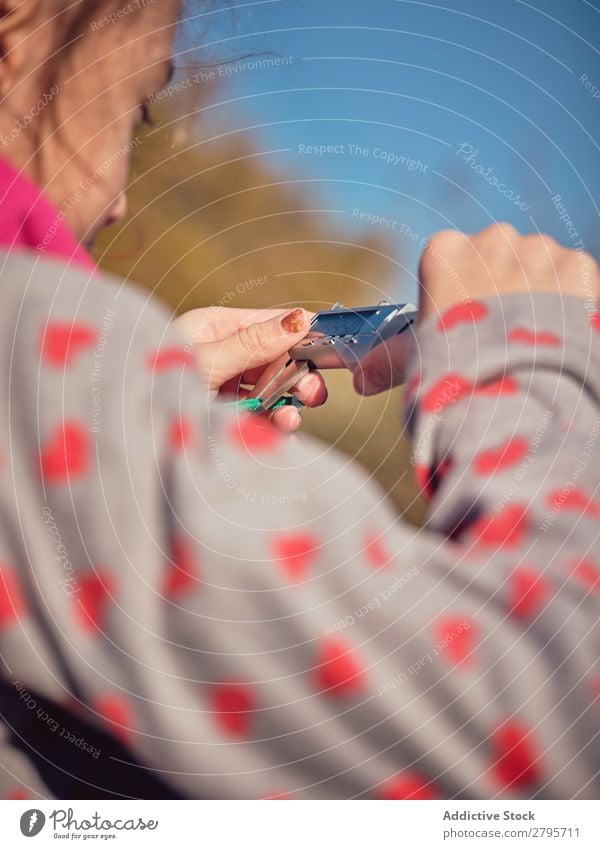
(29, 221)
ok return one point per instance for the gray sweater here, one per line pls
(247, 614)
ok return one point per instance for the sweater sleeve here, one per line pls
(250, 616)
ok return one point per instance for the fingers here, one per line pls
(311, 389)
(287, 419)
(457, 268)
(251, 345)
(261, 376)
(383, 367)
(210, 324)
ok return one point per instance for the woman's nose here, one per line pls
(118, 210)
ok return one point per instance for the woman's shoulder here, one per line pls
(43, 287)
(85, 349)
(62, 328)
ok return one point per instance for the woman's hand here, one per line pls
(456, 268)
(236, 347)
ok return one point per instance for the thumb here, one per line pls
(383, 367)
(252, 345)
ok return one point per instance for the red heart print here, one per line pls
(181, 576)
(18, 793)
(377, 554)
(296, 553)
(66, 455)
(12, 603)
(514, 760)
(339, 671)
(255, 434)
(587, 573)
(574, 499)
(92, 596)
(169, 358)
(63, 340)
(117, 714)
(527, 592)
(430, 477)
(501, 386)
(466, 313)
(181, 433)
(444, 392)
(408, 785)
(530, 337)
(457, 637)
(233, 706)
(502, 456)
(504, 529)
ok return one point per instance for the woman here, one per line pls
(193, 601)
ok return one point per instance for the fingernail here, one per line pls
(294, 321)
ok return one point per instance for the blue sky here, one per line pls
(499, 102)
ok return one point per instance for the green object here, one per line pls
(252, 404)
(249, 404)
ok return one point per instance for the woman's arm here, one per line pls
(252, 617)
